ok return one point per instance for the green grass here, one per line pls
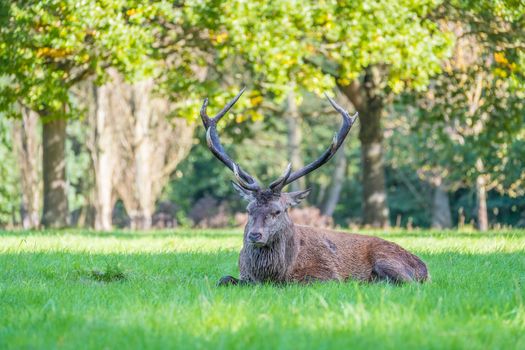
(120, 290)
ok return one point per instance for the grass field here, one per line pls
(121, 290)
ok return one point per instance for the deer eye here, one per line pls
(275, 213)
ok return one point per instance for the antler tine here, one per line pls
(337, 141)
(215, 146)
(204, 115)
(241, 181)
(278, 184)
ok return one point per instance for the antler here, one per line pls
(337, 141)
(278, 184)
(215, 146)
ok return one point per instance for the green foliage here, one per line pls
(48, 46)
(301, 41)
(471, 122)
(272, 38)
(169, 298)
(395, 34)
(458, 135)
(499, 22)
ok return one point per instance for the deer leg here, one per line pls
(392, 270)
(231, 281)
(228, 281)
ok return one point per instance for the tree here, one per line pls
(337, 184)
(375, 57)
(469, 127)
(473, 113)
(371, 50)
(142, 129)
(101, 146)
(46, 47)
(149, 146)
(28, 149)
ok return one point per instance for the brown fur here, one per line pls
(293, 253)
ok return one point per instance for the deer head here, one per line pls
(267, 208)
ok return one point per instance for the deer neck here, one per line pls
(274, 262)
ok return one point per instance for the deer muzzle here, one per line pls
(255, 238)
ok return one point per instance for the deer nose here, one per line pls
(254, 236)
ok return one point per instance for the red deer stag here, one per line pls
(276, 250)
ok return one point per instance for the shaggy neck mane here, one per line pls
(271, 262)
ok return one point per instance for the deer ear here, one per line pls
(245, 194)
(294, 198)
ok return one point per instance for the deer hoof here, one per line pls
(227, 281)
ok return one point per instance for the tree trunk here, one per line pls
(368, 99)
(55, 213)
(28, 148)
(103, 158)
(141, 217)
(148, 146)
(336, 185)
(294, 139)
(375, 210)
(441, 217)
(481, 197)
